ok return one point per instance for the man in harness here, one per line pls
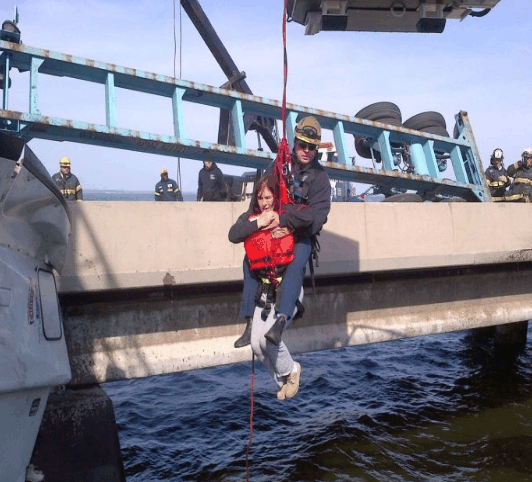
(269, 250)
(311, 187)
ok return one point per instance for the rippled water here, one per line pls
(446, 408)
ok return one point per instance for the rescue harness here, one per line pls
(266, 252)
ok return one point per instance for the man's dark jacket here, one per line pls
(69, 186)
(167, 191)
(211, 185)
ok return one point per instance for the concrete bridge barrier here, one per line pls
(130, 245)
(151, 288)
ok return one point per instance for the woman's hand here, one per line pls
(280, 232)
(268, 220)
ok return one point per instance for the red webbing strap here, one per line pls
(281, 169)
(250, 416)
(285, 69)
(283, 159)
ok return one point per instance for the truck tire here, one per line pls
(385, 112)
(431, 122)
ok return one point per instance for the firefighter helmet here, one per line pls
(497, 156)
(64, 162)
(527, 153)
(308, 130)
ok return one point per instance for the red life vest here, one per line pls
(265, 251)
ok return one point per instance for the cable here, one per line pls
(481, 13)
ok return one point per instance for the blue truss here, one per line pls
(422, 147)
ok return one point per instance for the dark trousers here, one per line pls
(290, 288)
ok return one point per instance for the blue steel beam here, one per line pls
(132, 79)
(466, 163)
(94, 134)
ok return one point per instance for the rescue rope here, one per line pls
(283, 159)
(281, 169)
(285, 69)
(250, 416)
(179, 184)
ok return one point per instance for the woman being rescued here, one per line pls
(267, 230)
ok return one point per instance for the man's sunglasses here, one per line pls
(305, 145)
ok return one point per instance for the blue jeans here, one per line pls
(290, 288)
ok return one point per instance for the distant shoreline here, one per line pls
(124, 191)
(122, 195)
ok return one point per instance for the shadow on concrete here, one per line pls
(96, 323)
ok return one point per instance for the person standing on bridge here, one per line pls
(67, 183)
(268, 230)
(311, 187)
(167, 189)
(521, 171)
(211, 185)
(496, 176)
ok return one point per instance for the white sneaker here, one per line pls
(33, 475)
(292, 383)
(281, 393)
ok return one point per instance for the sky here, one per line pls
(480, 65)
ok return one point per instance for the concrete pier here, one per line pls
(78, 438)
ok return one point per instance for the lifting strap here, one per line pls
(283, 159)
(281, 169)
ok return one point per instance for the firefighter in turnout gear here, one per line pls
(67, 183)
(496, 176)
(521, 171)
(167, 189)
(312, 188)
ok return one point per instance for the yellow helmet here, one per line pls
(163, 170)
(308, 130)
(64, 162)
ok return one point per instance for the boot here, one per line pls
(245, 339)
(275, 332)
(292, 384)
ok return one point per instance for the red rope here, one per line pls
(285, 69)
(281, 169)
(283, 159)
(250, 416)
